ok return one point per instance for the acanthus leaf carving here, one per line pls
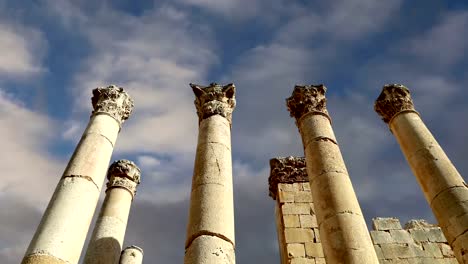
(394, 99)
(114, 101)
(124, 174)
(286, 170)
(214, 99)
(306, 99)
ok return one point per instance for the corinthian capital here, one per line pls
(307, 99)
(112, 100)
(214, 99)
(394, 99)
(124, 174)
(286, 170)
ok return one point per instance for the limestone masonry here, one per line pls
(318, 216)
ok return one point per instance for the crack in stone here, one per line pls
(208, 233)
(88, 178)
(446, 189)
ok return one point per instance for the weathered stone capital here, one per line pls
(394, 99)
(286, 170)
(113, 101)
(214, 100)
(307, 99)
(124, 174)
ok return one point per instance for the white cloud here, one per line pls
(31, 173)
(22, 50)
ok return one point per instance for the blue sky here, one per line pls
(54, 52)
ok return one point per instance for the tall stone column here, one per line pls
(296, 223)
(132, 255)
(210, 231)
(444, 188)
(343, 231)
(62, 231)
(106, 242)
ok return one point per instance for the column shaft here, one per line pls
(132, 255)
(210, 231)
(442, 185)
(62, 231)
(343, 230)
(106, 242)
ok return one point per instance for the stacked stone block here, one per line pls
(418, 242)
(298, 234)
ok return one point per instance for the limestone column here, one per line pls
(343, 230)
(442, 185)
(106, 242)
(132, 255)
(62, 231)
(296, 223)
(210, 231)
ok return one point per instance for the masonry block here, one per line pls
(296, 250)
(432, 250)
(298, 235)
(401, 236)
(381, 237)
(386, 223)
(435, 235)
(296, 208)
(392, 251)
(291, 221)
(314, 250)
(302, 197)
(302, 261)
(285, 197)
(308, 221)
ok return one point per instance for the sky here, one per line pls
(54, 52)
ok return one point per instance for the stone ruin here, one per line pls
(318, 217)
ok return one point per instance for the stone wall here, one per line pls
(298, 235)
(417, 242)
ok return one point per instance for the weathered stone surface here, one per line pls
(386, 223)
(298, 235)
(393, 99)
(381, 237)
(296, 250)
(209, 250)
(296, 208)
(308, 221)
(291, 221)
(306, 99)
(210, 229)
(302, 261)
(113, 101)
(418, 224)
(214, 99)
(401, 236)
(286, 170)
(65, 223)
(107, 238)
(314, 250)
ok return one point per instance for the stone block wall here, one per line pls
(297, 226)
(298, 236)
(417, 242)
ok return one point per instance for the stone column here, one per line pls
(106, 242)
(62, 231)
(210, 231)
(297, 229)
(132, 255)
(343, 231)
(444, 188)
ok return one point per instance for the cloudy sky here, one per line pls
(54, 52)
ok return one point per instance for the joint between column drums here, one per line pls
(208, 233)
(455, 239)
(338, 213)
(107, 114)
(36, 256)
(402, 112)
(88, 178)
(446, 189)
(298, 121)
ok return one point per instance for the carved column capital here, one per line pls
(214, 99)
(286, 170)
(395, 98)
(113, 101)
(123, 174)
(307, 99)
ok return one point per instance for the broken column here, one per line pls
(106, 241)
(296, 223)
(444, 188)
(210, 231)
(343, 230)
(132, 255)
(62, 231)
